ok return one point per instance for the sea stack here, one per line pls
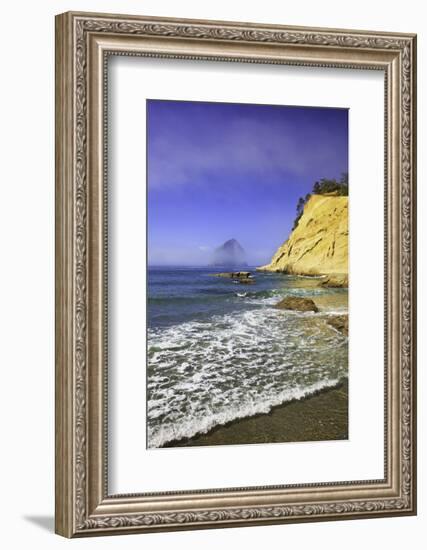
(230, 254)
(318, 245)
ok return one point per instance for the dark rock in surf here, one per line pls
(243, 277)
(297, 304)
(235, 274)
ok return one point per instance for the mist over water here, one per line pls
(219, 351)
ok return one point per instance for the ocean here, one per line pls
(219, 351)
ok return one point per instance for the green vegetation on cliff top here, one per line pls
(323, 187)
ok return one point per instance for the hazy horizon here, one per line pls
(220, 171)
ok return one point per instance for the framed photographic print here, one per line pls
(235, 274)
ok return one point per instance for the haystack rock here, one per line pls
(229, 254)
(319, 243)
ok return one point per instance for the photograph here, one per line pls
(248, 273)
(235, 272)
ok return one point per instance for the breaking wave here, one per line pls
(188, 428)
(206, 373)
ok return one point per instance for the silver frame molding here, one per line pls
(83, 43)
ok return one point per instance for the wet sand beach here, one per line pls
(319, 417)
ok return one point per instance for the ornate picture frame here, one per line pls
(84, 42)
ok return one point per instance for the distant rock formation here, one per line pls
(319, 243)
(229, 254)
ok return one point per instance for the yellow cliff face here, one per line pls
(319, 244)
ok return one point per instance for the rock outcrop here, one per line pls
(337, 280)
(319, 243)
(231, 253)
(234, 274)
(340, 323)
(243, 277)
(297, 304)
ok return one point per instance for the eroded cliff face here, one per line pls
(319, 243)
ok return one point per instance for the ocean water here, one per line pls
(219, 350)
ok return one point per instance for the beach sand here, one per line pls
(320, 417)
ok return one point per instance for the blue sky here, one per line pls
(218, 171)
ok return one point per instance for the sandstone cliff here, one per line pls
(319, 243)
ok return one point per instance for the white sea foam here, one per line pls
(202, 374)
(189, 427)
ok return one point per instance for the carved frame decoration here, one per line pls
(83, 43)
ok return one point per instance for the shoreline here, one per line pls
(321, 416)
(331, 280)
